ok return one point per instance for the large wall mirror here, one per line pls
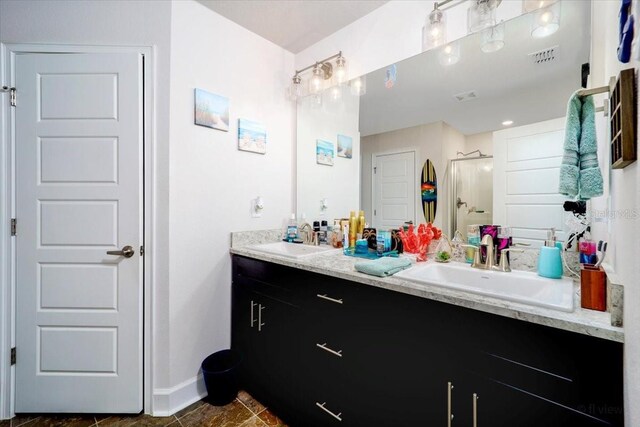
(509, 105)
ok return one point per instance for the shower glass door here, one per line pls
(472, 193)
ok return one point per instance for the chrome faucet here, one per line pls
(489, 263)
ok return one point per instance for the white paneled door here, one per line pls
(526, 161)
(394, 189)
(79, 144)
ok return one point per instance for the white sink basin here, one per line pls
(520, 286)
(291, 250)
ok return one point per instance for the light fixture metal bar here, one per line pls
(337, 55)
(439, 5)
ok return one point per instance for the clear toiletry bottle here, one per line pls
(473, 238)
(292, 228)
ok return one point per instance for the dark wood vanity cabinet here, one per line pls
(333, 352)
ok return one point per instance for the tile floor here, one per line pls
(244, 411)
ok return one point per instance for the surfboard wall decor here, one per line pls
(429, 191)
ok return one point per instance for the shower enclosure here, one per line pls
(472, 192)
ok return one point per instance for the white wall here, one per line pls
(391, 33)
(340, 183)
(479, 141)
(212, 183)
(623, 211)
(116, 23)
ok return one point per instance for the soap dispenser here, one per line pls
(550, 259)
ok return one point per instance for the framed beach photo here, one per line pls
(211, 110)
(252, 136)
(345, 146)
(324, 152)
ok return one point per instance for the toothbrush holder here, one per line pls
(593, 288)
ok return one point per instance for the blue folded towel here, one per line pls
(579, 173)
(383, 267)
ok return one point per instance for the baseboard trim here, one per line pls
(168, 401)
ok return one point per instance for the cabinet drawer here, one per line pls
(269, 273)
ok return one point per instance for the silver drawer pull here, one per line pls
(321, 406)
(260, 323)
(475, 409)
(450, 417)
(324, 296)
(325, 348)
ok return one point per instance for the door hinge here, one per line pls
(13, 356)
(14, 226)
(375, 170)
(375, 212)
(141, 250)
(12, 94)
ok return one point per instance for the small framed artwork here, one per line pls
(211, 110)
(324, 152)
(252, 136)
(345, 146)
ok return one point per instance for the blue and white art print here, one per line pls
(252, 136)
(211, 110)
(324, 152)
(345, 146)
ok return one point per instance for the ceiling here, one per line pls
(293, 24)
(508, 84)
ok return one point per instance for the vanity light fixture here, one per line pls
(507, 123)
(481, 14)
(434, 32)
(340, 71)
(358, 86)
(321, 71)
(546, 21)
(317, 80)
(449, 54)
(296, 90)
(493, 38)
(531, 5)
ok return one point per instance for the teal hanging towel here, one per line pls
(580, 174)
(590, 176)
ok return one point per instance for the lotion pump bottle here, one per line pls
(550, 259)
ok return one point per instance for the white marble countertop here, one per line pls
(335, 264)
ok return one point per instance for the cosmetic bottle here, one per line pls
(353, 229)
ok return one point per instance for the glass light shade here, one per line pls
(531, 5)
(546, 21)
(295, 89)
(358, 86)
(493, 38)
(449, 54)
(434, 33)
(316, 82)
(340, 73)
(335, 93)
(481, 14)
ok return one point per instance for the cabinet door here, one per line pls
(264, 331)
(493, 403)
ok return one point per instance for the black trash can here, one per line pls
(220, 371)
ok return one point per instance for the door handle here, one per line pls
(449, 413)
(253, 304)
(126, 252)
(475, 409)
(260, 324)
